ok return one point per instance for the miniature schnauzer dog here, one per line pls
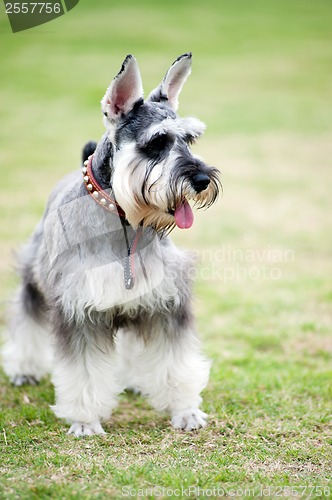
(105, 300)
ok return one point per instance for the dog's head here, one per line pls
(154, 173)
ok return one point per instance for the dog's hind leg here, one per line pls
(26, 351)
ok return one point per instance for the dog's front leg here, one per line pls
(169, 369)
(182, 373)
(84, 381)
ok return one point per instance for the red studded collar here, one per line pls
(98, 194)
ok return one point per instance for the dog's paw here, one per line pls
(80, 429)
(19, 380)
(189, 420)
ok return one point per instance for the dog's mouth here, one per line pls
(183, 215)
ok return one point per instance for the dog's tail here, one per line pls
(88, 150)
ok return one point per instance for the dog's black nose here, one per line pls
(200, 182)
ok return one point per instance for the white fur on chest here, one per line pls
(157, 272)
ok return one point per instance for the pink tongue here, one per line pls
(184, 216)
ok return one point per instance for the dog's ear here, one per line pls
(173, 81)
(124, 91)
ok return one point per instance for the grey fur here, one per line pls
(77, 240)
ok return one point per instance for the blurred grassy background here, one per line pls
(262, 82)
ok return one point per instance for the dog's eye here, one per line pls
(159, 142)
(190, 139)
(158, 147)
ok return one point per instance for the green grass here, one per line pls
(263, 298)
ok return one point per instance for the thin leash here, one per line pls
(107, 203)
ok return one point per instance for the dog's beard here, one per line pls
(155, 194)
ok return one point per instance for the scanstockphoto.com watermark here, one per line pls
(228, 264)
(260, 491)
